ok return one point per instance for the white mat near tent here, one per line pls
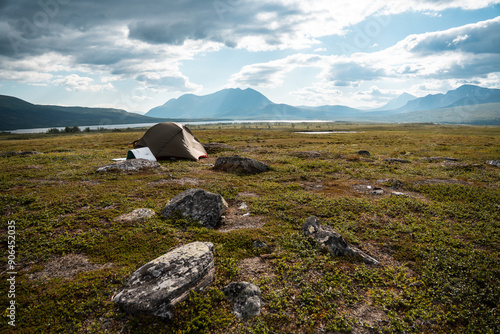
(141, 153)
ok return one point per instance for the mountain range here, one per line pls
(468, 104)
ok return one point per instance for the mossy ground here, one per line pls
(439, 246)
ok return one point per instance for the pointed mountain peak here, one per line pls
(398, 102)
(407, 96)
(229, 101)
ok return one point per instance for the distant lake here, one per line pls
(143, 125)
(91, 127)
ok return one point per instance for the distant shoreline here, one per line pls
(141, 125)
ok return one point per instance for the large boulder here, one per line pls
(156, 287)
(246, 298)
(326, 236)
(130, 165)
(237, 164)
(198, 204)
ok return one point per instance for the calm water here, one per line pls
(142, 125)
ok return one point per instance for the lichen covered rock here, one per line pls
(333, 241)
(136, 215)
(237, 164)
(130, 165)
(198, 204)
(246, 298)
(156, 287)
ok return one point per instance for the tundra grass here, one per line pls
(439, 245)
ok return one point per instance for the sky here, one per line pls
(136, 55)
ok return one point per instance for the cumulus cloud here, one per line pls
(74, 82)
(265, 24)
(463, 54)
(320, 93)
(271, 74)
(149, 41)
(158, 81)
(478, 38)
(467, 51)
(345, 72)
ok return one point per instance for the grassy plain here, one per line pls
(439, 246)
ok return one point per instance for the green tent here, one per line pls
(172, 140)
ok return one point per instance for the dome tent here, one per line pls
(172, 140)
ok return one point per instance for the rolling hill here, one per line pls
(19, 114)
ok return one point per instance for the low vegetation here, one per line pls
(438, 243)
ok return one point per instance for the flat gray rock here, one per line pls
(130, 165)
(156, 287)
(237, 164)
(495, 163)
(198, 204)
(333, 241)
(136, 215)
(246, 298)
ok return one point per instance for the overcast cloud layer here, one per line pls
(136, 53)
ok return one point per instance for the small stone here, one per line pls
(136, 215)
(259, 244)
(377, 191)
(246, 298)
(397, 193)
(364, 152)
(495, 163)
